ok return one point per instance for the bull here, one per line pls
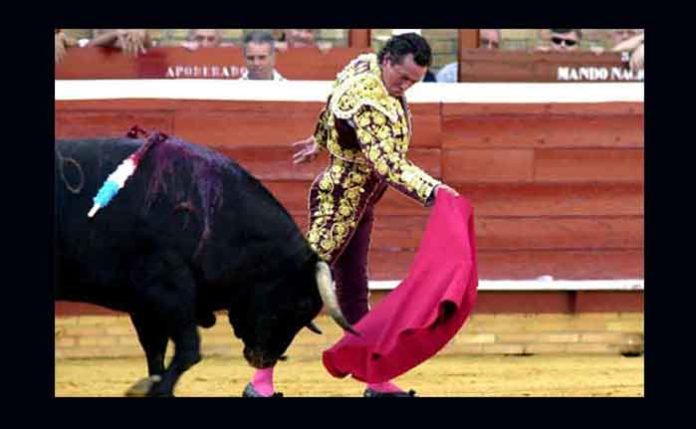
(191, 233)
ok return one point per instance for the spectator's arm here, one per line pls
(629, 44)
(61, 43)
(635, 45)
(108, 39)
(637, 60)
(132, 42)
(59, 47)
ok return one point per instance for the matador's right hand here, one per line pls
(308, 150)
(443, 187)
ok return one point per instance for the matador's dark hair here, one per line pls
(399, 46)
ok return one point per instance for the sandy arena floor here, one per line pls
(443, 376)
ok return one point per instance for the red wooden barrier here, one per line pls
(477, 65)
(557, 188)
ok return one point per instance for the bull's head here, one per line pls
(276, 313)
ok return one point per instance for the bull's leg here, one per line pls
(168, 297)
(186, 354)
(153, 339)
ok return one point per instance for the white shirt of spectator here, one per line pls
(448, 73)
(276, 76)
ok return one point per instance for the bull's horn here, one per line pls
(328, 296)
(314, 328)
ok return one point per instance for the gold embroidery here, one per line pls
(313, 236)
(382, 167)
(337, 169)
(335, 218)
(345, 210)
(384, 133)
(328, 244)
(325, 184)
(340, 229)
(326, 208)
(379, 119)
(354, 193)
(358, 178)
(374, 154)
(364, 121)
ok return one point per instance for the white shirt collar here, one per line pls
(276, 76)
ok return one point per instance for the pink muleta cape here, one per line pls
(420, 316)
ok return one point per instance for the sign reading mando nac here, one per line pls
(615, 73)
(599, 74)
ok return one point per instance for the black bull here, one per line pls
(190, 233)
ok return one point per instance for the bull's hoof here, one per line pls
(143, 387)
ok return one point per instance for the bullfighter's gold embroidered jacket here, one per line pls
(367, 133)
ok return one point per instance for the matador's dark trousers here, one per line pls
(350, 268)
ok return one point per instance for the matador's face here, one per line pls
(398, 77)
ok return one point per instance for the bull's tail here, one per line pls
(123, 172)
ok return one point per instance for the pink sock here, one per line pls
(385, 387)
(263, 381)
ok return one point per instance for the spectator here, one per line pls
(635, 46)
(489, 38)
(620, 35)
(562, 40)
(80, 36)
(259, 54)
(202, 38)
(132, 42)
(608, 37)
(637, 61)
(62, 42)
(300, 38)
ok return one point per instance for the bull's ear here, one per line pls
(314, 328)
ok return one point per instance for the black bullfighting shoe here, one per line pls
(250, 392)
(371, 393)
